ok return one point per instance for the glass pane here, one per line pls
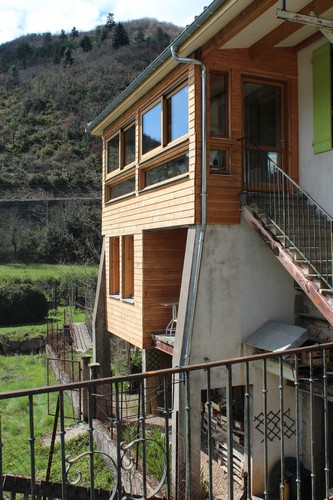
(129, 145)
(151, 129)
(122, 188)
(218, 105)
(218, 162)
(178, 114)
(113, 154)
(262, 114)
(167, 170)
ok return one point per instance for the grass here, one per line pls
(33, 330)
(40, 271)
(21, 372)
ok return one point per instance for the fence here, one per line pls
(264, 422)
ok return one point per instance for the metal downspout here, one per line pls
(185, 358)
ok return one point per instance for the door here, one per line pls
(263, 130)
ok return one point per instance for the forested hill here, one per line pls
(51, 86)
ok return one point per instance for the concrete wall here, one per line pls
(242, 285)
(316, 171)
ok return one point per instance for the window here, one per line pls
(322, 98)
(121, 189)
(218, 105)
(167, 170)
(114, 266)
(128, 267)
(166, 121)
(151, 128)
(121, 149)
(218, 161)
(178, 114)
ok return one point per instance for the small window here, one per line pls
(129, 145)
(167, 170)
(114, 266)
(178, 114)
(151, 128)
(128, 267)
(121, 189)
(113, 154)
(218, 105)
(121, 149)
(218, 161)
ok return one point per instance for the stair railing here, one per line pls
(303, 226)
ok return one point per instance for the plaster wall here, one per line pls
(242, 285)
(316, 170)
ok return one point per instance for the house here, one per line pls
(217, 176)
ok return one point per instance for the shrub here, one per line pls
(21, 303)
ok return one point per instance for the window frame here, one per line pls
(165, 133)
(226, 76)
(127, 259)
(114, 266)
(121, 149)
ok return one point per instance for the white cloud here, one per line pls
(19, 17)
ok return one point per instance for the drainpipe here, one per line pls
(185, 358)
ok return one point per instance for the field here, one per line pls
(42, 271)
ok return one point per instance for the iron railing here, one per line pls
(272, 432)
(303, 225)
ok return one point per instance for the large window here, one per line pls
(128, 267)
(114, 266)
(151, 128)
(322, 64)
(121, 189)
(167, 170)
(166, 121)
(218, 105)
(121, 149)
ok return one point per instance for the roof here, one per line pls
(232, 24)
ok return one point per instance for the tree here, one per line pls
(68, 58)
(119, 37)
(63, 35)
(74, 33)
(86, 43)
(110, 23)
(140, 37)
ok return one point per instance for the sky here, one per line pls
(21, 17)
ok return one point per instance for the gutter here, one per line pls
(181, 38)
(185, 356)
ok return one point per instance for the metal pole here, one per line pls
(298, 448)
(209, 436)
(230, 433)
(62, 447)
(166, 424)
(248, 432)
(282, 483)
(311, 381)
(91, 412)
(32, 447)
(326, 429)
(264, 392)
(188, 441)
(144, 442)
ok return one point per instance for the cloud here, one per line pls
(19, 17)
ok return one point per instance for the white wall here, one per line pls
(316, 171)
(242, 285)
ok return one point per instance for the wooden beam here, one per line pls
(164, 347)
(308, 41)
(238, 23)
(293, 268)
(287, 28)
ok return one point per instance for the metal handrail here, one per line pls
(301, 223)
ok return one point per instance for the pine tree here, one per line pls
(74, 33)
(63, 35)
(86, 43)
(68, 58)
(119, 37)
(110, 22)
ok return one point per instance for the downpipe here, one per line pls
(185, 357)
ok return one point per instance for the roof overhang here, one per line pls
(227, 24)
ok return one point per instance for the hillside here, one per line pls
(51, 86)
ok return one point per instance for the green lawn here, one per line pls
(23, 372)
(40, 271)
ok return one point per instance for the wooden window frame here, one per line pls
(114, 269)
(121, 145)
(163, 99)
(226, 76)
(127, 244)
(220, 145)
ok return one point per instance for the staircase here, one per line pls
(292, 224)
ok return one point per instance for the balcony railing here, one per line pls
(242, 432)
(305, 226)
